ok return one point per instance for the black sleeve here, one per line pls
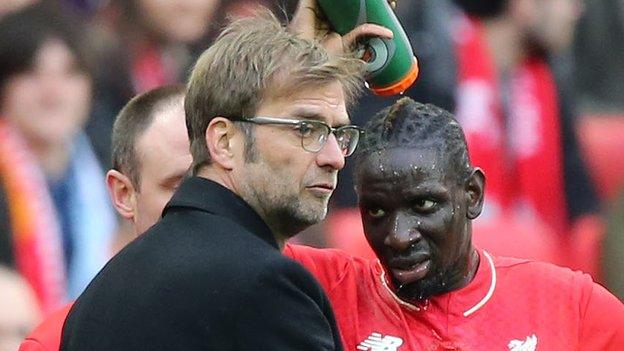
(286, 310)
(6, 242)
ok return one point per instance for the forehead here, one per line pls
(54, 52)
(397, 166)
(166, 137)
(324, 102)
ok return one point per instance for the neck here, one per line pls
(473, 265)
(224, 178)
(504, 41)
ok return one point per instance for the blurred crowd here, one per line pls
(536, 86)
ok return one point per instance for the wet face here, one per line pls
(50, 102)
(289, 186)
(163, 153)
(415, 216)
(179, 20)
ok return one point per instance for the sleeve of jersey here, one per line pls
(602, 320)
(328, 266)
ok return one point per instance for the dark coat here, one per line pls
(208, 276)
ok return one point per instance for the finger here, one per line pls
(333, 43)
(304, 21)
(366, 30)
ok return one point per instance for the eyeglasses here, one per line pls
(314, 134)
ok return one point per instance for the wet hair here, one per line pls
(24, 32)
(132, 121)
(482, 8)
(409, 124)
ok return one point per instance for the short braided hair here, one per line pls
(409, 124)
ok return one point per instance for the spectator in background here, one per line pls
(58, 221)
(150, 158)
(517, 119)
(20, 312)
(140, 45)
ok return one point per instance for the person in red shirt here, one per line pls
(431, 289)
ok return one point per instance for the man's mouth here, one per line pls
(321, 189)
(410, 269)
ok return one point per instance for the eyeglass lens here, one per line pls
(315, 139)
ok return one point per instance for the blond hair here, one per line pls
(253, 59)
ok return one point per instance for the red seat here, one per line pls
(601, 140)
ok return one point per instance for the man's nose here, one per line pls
(403, 232)
(330, 154)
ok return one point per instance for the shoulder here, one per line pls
(329, 266)
(542, 275)
(554, 283)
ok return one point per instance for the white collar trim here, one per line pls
(490, 292)
(468, 312)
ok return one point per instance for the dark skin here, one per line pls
(417, 212)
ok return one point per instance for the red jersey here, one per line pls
(512, 304)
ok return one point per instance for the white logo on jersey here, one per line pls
(530, 344)
(376, 343)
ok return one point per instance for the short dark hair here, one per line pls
(410, 124)
(24, 32)
(131, 122)
(482, 8)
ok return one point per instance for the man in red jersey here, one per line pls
(431, 289)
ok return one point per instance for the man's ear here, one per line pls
(220, 142)
(475, 189)
(122, 193)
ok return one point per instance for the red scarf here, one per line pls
(518, 145)
(35, 231)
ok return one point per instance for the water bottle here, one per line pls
(391, 65)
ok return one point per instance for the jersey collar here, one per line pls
(465, 301)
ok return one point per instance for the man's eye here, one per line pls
(425, 205)
(376, 212)
(305, 129)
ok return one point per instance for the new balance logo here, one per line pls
(530, 344)
(375, 342)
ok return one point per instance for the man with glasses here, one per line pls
(268, 129)
(313, 133)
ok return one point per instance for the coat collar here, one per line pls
(205, 195)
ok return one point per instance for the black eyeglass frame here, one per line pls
(262, 120)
